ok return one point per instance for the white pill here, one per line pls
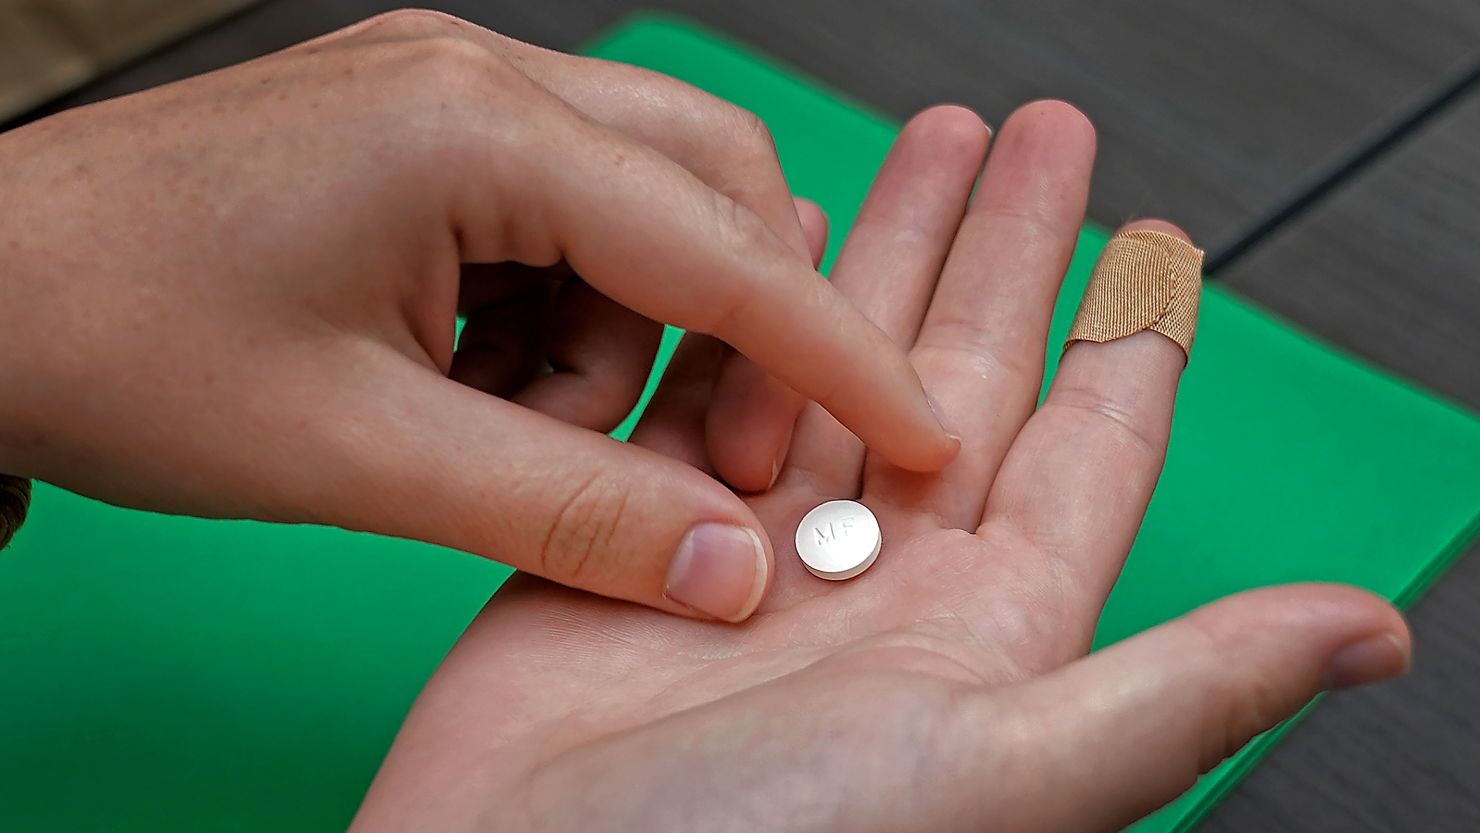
(839, 539)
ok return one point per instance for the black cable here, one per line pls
(1324, 180)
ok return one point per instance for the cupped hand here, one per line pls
(948, 687)
(237, 296)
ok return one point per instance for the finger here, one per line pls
(729, 149)
(980, 348)
(888, 267)
(503, 342)
(1120, 733)
(814, 227)
(726, 147)
(750, 415)
(645, 233)
(1076, 482)
(674, 423)
(409, 453)
(601, 355)
(753, 413)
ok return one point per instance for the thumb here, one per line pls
(420, 456)
(1130, 728)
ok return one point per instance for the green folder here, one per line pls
(162, 674)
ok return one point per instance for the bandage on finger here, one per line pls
(1144, 280)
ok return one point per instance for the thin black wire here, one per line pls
(1326, 179)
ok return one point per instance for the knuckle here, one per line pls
(958, 344)
(452, 63)
(746, 229)
(1116, 422)
(744, 166)
(736, 146)
(739, 230)
(1249, 709)
(431, 50)
(450, 88)
(414, 22)
(578, 547)
(1033, 222)
(1237, 707)
(753, 133)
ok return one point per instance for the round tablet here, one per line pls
(838, 539)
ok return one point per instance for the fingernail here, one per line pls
(779, 462)
(940, 417)
(1371, 660)
(719, 570)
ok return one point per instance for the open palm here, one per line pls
(947, 688)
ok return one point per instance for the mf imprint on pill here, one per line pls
(838, 539)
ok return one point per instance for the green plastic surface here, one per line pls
(163, 674)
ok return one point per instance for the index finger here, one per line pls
(647, 233)
(751, 414)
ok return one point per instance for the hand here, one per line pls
(946, 688)
(236, 296)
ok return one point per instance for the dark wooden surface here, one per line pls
(1390, 265)
(1397, 757)
(1390, 268)
(1208, 114)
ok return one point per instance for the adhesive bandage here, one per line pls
(1144, 280)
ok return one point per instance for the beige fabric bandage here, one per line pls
(1144, 280)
